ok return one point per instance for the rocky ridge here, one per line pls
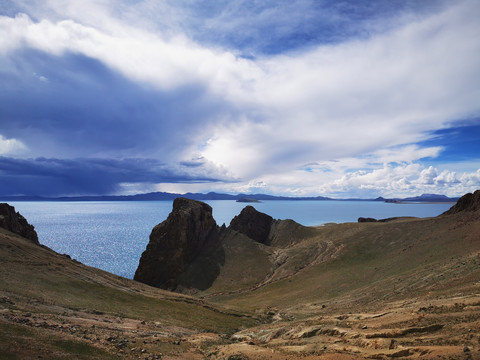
(467, 203)
(13, 221)
(187, 249)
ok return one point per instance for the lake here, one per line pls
(112, 235)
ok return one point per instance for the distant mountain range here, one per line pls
(425, 198)
(217, 196)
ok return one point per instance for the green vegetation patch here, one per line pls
(20, 342)
(79, 350)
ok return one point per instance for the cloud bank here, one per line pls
(307, 109)
(53, 176)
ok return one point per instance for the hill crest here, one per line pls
(467, 203)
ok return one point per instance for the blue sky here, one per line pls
(302, 98)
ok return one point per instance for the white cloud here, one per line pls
(428, 176)
(471, 180)
(391, 173)
(141, 56)
(40, 78)
(397, 180)
(353, 98)
(11, 146)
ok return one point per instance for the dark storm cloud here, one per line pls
(82, 108)
(86, 176)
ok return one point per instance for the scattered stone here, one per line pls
(393, 344)
(309, 332)
(6, 300)
(425, 329)
(466, 349)
(400, 353)
(240, 338)
(238, 357)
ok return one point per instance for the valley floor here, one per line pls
(443, 328)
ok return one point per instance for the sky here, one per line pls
(298, 98)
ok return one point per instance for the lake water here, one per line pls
(112, 235)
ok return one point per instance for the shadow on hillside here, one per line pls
(202, 272)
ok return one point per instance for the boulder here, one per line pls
(13, 221)
(176, 242)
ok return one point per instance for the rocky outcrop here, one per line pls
(362, 219)
(467, 203)
(187, 251)
(254, 224)
(176, 242)
(16, 223)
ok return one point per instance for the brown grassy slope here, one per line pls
(336, 292)
(366, 263)
(407, 289)
(63, 309)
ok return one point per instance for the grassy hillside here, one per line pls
(408, 288)
(362, 263)
(60, 307)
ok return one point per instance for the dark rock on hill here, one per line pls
(467, 203)
(16, 223)
(362, 219)
(254, 224)
(176, 242)
(188, 251)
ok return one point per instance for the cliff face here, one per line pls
(188, 250)
(254, 224)
(16, 223)
(467, 203)
(176, 242)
